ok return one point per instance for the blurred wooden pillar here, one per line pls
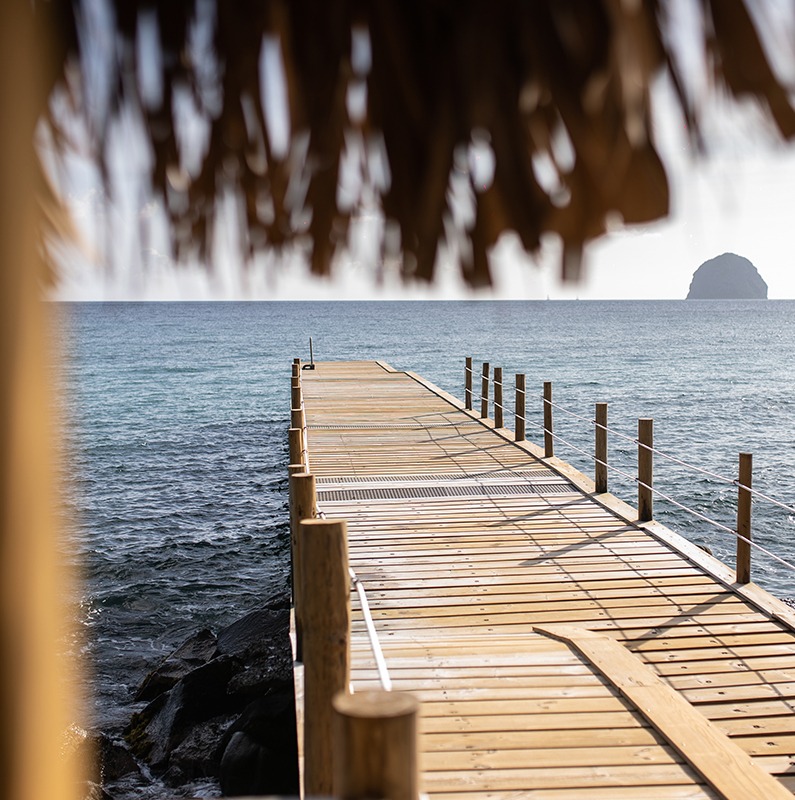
(34, 680)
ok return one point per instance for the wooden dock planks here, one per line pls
(466, 542)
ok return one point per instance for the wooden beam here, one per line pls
(723, 764)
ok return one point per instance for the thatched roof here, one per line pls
(559, 90)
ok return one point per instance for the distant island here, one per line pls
(727, 277)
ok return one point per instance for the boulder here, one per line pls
(261, 641)
(260, 752)
(195, 651)
(201, 695)
(198, 755)
(727, 277)
(224, 704)
(259, 633)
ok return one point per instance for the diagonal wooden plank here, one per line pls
(726, 766)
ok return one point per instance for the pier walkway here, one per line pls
(559, 648)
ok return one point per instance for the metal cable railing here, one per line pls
(372, 633)
(645, 446)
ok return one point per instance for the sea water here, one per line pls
(178, 414)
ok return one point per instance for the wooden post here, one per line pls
(303, 505)
(375, 746)
(498, 416)
(327, 615)
(600, 449)
(468, 384)
(295, 395)
(549, 442)
(295, 436)
(645, 469)
(744, 518)
(484, 391)
(297, 419)
(296, 370)
(519, 421)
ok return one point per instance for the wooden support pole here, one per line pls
(296, 370)
(744, 518)
(297, 417)
(375, 746)
(519, 421)
(645, 469)
(468, 384)
(295, 395)
(600, 449)
(549, 441)
(484, 391)
(303, 505)
(327, 616)
(295, 437)
(498, 415)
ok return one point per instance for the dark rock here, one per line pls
(272, 673)
(197, 696)
(258, 633)
(261, 640)
(260, 752)
(192, 653)
(201, 695)
(115, 760)
(198, 755)
(727, 277)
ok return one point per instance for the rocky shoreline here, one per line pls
(220, 708)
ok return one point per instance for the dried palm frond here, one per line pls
(563, 83)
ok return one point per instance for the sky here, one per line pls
(739, 197)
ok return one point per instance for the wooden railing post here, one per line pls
(498, 415)
(296, 370)
(295, 395)
(468, 384)
(303, 505)
(327, 616)
(645, 469)
(600, 449)
(549, 441)
(484, 391)
(297, 417)
(744, 518)
(375, 746)
(519, 421)
(295, 437)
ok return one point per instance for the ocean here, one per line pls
(177, 417)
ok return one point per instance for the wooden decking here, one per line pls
(559, 649)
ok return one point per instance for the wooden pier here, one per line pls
(558, 647)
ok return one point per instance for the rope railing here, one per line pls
(634, 440)
(646, 451)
